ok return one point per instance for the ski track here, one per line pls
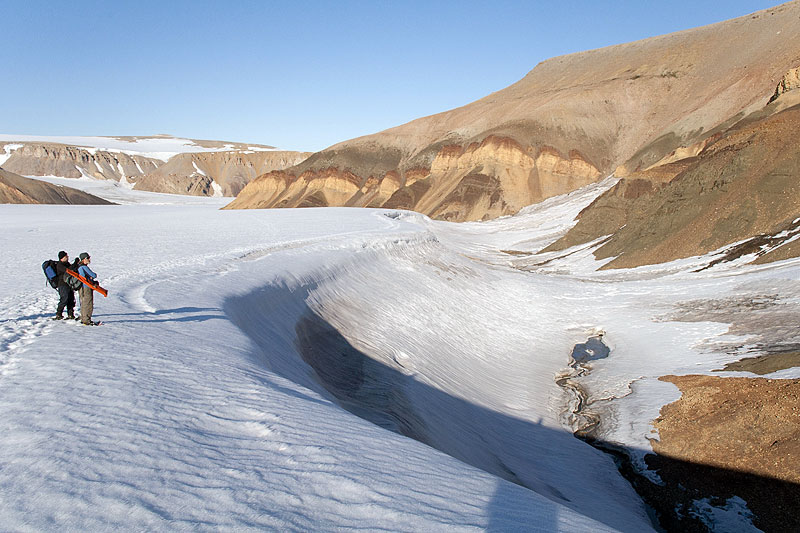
(22, 322)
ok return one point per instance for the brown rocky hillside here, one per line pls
(15, 189)
(571, 121)
(222, 170)
(743, 185)
(196, 173)
(55, 159)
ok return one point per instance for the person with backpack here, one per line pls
(66, 296)
(86, 292)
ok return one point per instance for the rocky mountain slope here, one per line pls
(741, 184)
(215, 173)
(160, 164)
(15, 189)
(571, 121)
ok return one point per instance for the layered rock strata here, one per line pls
(215, 173)
(222, 172)
(482, 180)
(738, 185)
(52, 159)
(570, 121)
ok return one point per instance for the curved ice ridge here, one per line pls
(424, 342)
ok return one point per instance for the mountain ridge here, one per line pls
(159, 163)
(570, 121)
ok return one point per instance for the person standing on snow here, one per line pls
(66, 296)
(86, 293)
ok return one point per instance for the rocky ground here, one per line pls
(15, 189)
(729, 436)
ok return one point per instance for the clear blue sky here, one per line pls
(298, 75)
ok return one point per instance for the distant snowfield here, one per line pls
(156, 147)
(121, 192)
(212, 397)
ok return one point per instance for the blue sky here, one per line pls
(298, 75)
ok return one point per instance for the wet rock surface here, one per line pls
(728, 443)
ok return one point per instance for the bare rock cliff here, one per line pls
(51, 159)
(215, 173)
(571, 120)
(211, 173)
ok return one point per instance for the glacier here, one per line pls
(334, 368)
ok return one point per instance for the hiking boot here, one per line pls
(89, 323)
(71, 316)
(58, 317)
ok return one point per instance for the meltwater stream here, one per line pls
(575, 415)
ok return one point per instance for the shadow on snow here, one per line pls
(297, 343)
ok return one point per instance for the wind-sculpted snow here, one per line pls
(238, 346)
(168, 417)
(403, 359)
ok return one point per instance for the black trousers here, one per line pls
(66, 298)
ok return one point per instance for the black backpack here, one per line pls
(49, 268)
(72, 282)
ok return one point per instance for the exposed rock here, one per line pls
(734, 436)
(744, 424)
(222, 171)
(790, 82)
(50, 159)
(197, 173)
(482, 180)
(765, 364)
(570, 121)
(741, 185)
(15, 189)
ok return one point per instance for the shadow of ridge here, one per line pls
(192, 318)
(683, 501)
(178, 310)
(377, 393)
(297, 344)
(521, 451)
(167, 311)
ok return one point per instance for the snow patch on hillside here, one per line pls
(197, 169)
(8, 149)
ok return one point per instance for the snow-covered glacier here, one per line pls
(327, 369)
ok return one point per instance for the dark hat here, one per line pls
(61, 255)
(84, 255)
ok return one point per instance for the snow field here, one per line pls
(212, 398)
(166, 417)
